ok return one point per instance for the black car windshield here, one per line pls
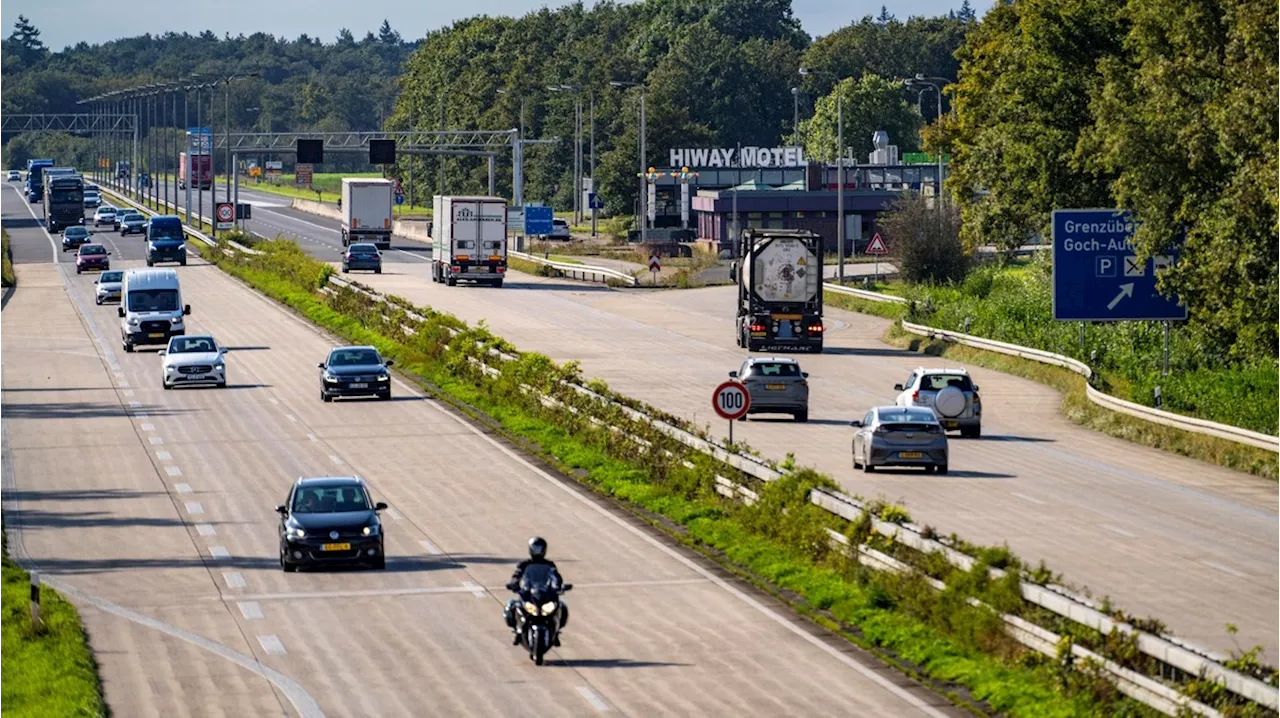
(363, 249)
(67, 195)
(539, 575)
(134, 217)
(166, 231)
(77, 232)
(772, 369)
(330, 499)
(153, 300)
(199, 345)
(938, 382)
(93, 249)
(109, 277)
(909, 416)
(354, 357)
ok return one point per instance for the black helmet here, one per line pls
(537, 547)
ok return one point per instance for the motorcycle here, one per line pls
(538, 614)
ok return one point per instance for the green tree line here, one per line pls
(1165, 108)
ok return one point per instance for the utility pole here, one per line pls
(595, 191)
(441, 160)
(644, 165)
(840, 219)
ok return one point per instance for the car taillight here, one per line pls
(757, 327)
(455, 268)
(501, 270)
(915, 396)
(816, 328)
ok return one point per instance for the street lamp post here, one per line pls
(644, 165)
(839, 169)
(226, 133)
(936, 84)
(577, 146)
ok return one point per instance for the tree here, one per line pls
(925, 241)
(885, 17)
(25, 43)
(345, 38)
(386, 35)
(871, 103)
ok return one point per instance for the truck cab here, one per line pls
(35, 179)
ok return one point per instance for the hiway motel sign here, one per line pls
(1097, 276)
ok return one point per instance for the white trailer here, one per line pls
(366, 211)
(469, 240)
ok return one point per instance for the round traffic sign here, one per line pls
(731, 400)
(226, 213)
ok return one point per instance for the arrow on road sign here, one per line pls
(877, 245)
(655, 264)
(1126, 290)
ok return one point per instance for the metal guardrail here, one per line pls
(119, 195)
(586, 272)
(1116, 404)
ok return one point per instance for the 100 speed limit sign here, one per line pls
(731, 400)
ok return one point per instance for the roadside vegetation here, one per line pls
(780, 543)
(48, 669)
(7, 277)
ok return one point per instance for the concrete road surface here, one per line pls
(1191, 544)
(154, 510)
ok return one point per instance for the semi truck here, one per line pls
(63, 199)
(201, 171)
(366, 211)
(779, 276)
(35, 179)
(469, 240)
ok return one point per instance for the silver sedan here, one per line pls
(900, 436)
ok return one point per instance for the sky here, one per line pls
(67, 22)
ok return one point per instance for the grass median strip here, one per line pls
(7, 277)
(780, 543)
(48, 670)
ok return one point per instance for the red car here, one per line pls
(92, 256)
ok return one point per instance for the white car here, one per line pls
(108, 286)
(951, 395)
(106, 214)
(195, 359)
(15, 176)
(560, 230)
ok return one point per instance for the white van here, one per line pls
(151, 308)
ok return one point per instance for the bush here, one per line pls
(7, 277)
(925, 241)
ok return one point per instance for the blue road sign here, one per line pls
(399, 198)
(1097, 276)
(594, 201)
(537, 220)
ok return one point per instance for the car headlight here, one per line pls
(133, 321)
(295, 532)
(371, 530)
(182, 247)
(219, 365)
(330, 378)
(531, 608)
(176, 320)
(383, 377)
(549, 608)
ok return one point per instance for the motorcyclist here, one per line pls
(537, 556)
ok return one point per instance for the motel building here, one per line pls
(780, 188)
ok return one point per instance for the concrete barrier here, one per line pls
(317, 208)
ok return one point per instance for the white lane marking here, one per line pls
(119, 373)
(1225, 569)
(219, 552)
(290, 417)
(302, 701)
(335, 459)
(1117, 530)
(595, 700)
(312, 437)
(359, 593)
(394, 514)
(148, 427)
(155, 440)
(1024, 497)
(873, 674)
(206, 530)
(250, 610)
(194, 507)
(127, 392)
(173, 471)
(135, 405)
(271, 645)
(164, 456)
(431, 548)
(476, 589)
(233, 579)
(183, 488)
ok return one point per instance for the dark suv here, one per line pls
(330, 520)
(166, 241)
(362, 256)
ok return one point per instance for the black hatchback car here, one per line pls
(73, 237)
(362, 256)
(330, 521)
(354, 371)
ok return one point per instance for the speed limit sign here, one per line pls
(731, 400)
(226, 213)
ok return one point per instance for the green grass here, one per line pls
(48, 671)
(778, 543)
(7, 277)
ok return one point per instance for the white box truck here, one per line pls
(469, 239)
(366, 211)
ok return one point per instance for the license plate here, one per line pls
(775, 387)
(951, 424)
(337, 547)
(156, 336)
(359, 385)
(909, 454)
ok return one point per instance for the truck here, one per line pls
(779, 277)
(64, 199)
(469, 240)
(201, 170)
(35, 179)
(366, 211)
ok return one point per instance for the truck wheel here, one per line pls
(378, 270)
(802, 416)
(451, 282)
(498, 284)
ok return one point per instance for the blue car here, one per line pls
(362, 256)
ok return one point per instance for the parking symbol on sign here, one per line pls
(1161, 263)
(1133, 267)
(1106, 266)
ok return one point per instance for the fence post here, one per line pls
(35, 600)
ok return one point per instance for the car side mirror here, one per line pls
(975, 387)
(108, 254)
(223, 350)
(186, 309)
(380, 506)
(162, 352)
(120, 311)
(390, 362)
(567, 588)
(280, 508)
(897, 387)
(320, 365)
(733, 271)
(856, 423)
(804, 375)
(733, 375)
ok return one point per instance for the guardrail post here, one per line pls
(1165, 371)
(35, 600)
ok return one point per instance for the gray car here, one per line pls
(900, 436)
(776, 386)
(108, 286)
(133, 223)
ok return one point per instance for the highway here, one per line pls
(154, 510)
(1162, 535)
